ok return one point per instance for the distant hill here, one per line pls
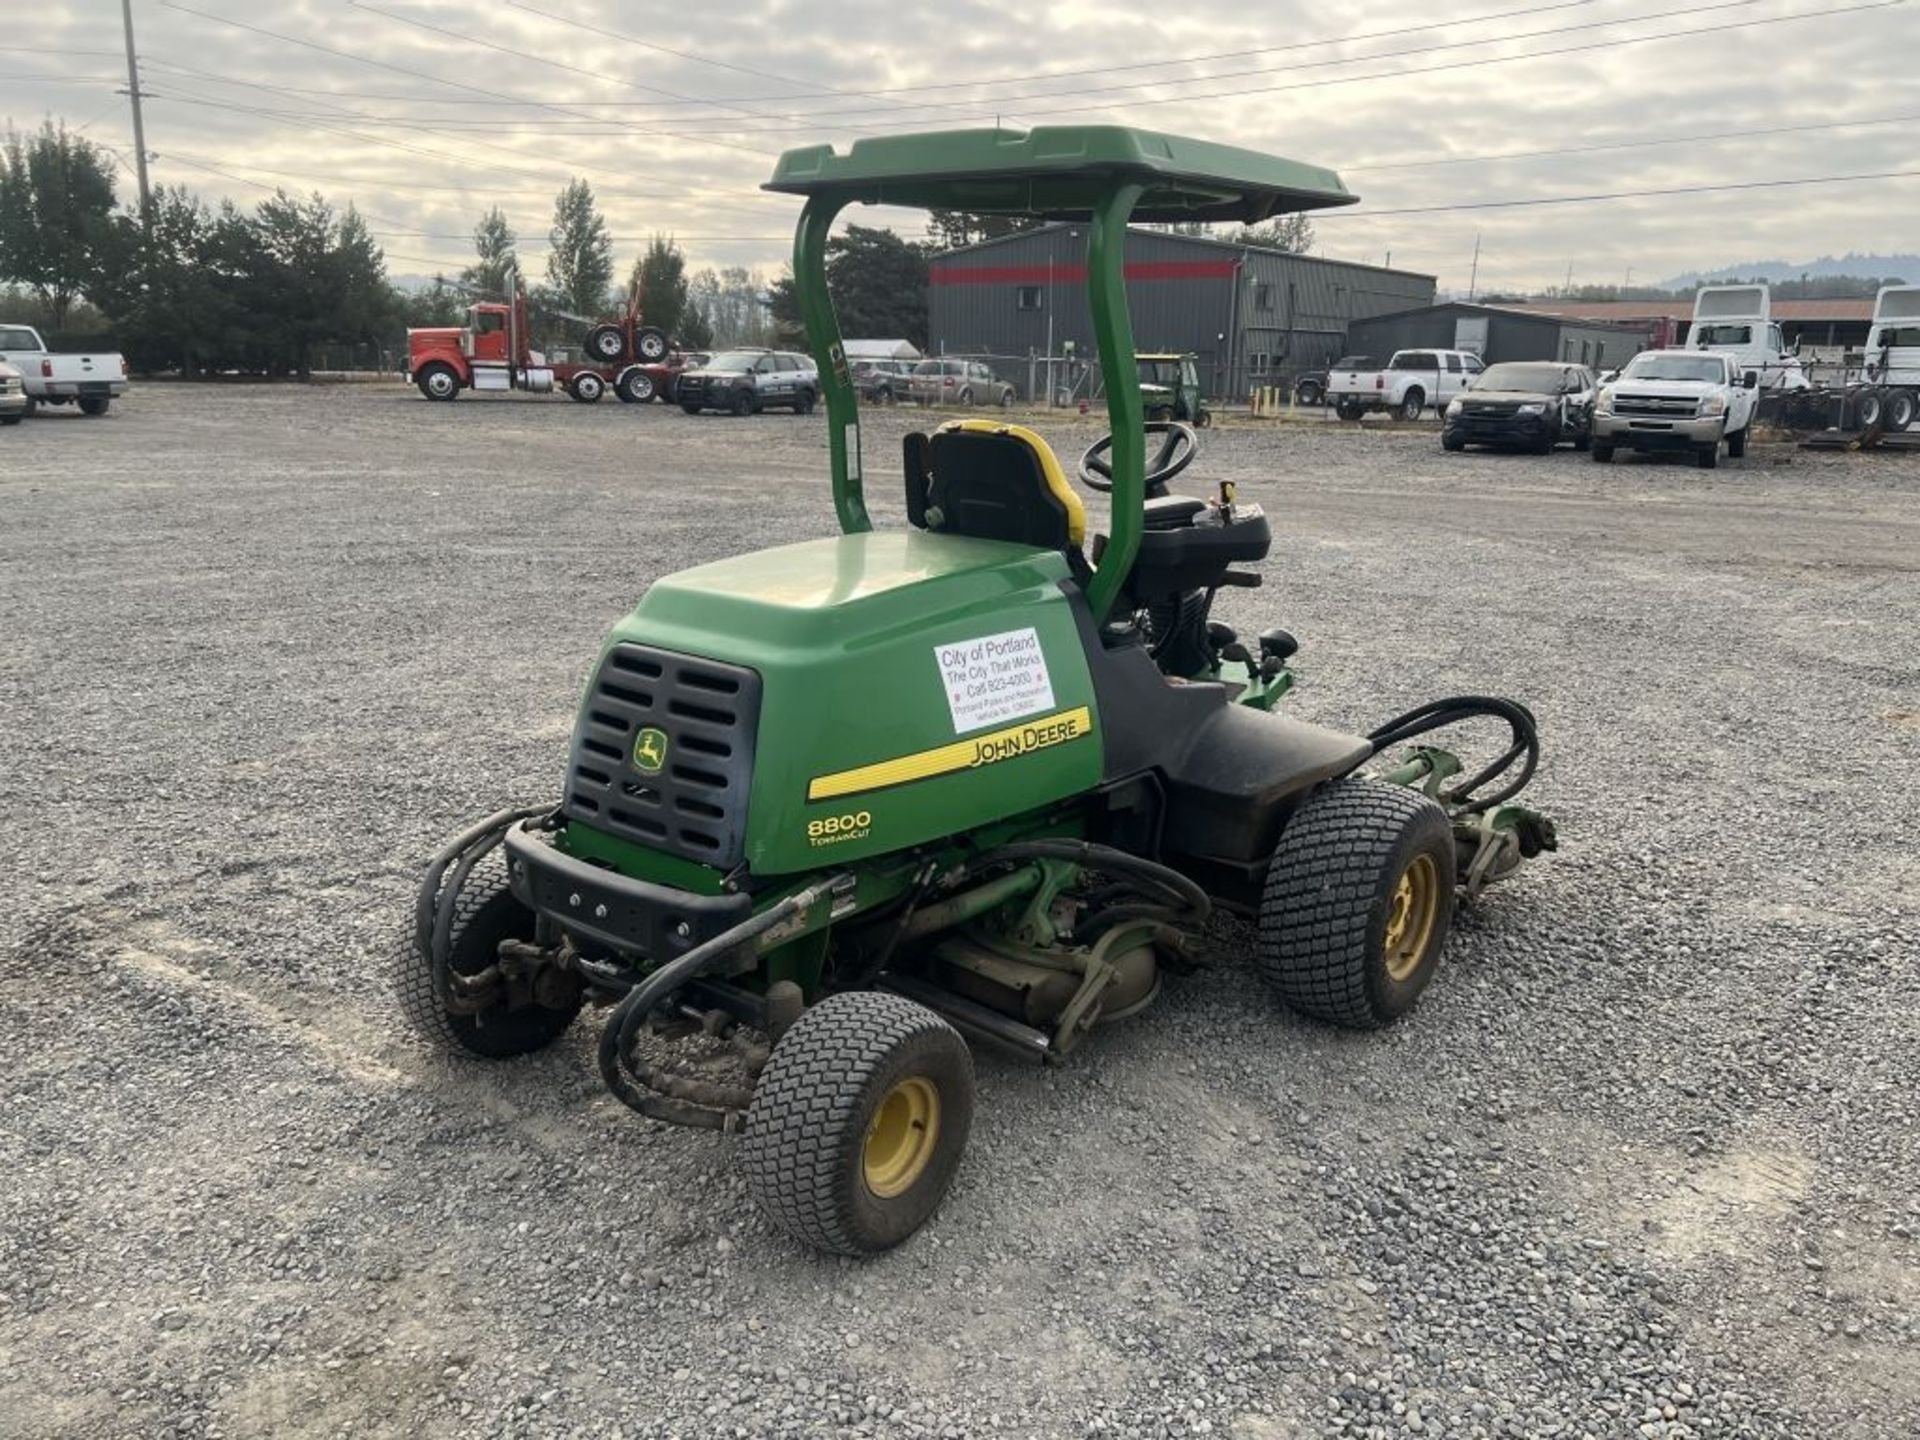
(1906, 267)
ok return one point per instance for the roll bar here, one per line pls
(1113, 335)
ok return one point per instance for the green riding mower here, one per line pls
(834, 810)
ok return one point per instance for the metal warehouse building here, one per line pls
(1253, 316)
(1497, 334)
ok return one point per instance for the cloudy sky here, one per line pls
(424, 112)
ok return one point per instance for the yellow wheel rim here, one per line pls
(1410, 916)
(901, 1140)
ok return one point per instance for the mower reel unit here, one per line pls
(834, 806)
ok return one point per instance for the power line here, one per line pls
(1048, 75)
(368, 60)
(785, 119)
(1465, 64)
(1374, 169)
(256, 110)
(818, 115)
(467, 39)
(1615, 195)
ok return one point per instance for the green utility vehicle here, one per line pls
(833, 806)
(1170, 389)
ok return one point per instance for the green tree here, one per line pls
(56, 215)
(661, 274)
(291, 279)
(495, 244)
(435, 304)
(1291, 233)
(879, 287)
(733, 303)
(696, 333)
(580, 251)
(950, 229)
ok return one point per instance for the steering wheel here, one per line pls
(1176, 453)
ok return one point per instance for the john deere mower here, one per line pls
(837, 809)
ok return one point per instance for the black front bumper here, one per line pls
(604, 909)
(709, 394)
(1525, 431)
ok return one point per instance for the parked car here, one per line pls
(1311, 388)
(1528, 405)
(648, 380)
(1413, 380)
(90, 380)
(883, 382)
(746, 381)
(958, 382)
(1677, 400)
(13, 395)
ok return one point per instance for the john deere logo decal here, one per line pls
(650, 750)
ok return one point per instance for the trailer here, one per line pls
(1877, 395)
(493, 351)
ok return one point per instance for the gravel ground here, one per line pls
(1642, 1163)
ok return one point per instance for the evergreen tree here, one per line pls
(879, 286)
(1291, 233)
(951, 229)
(661, 273)
(56, 216)
(495, 245)
(580, 252)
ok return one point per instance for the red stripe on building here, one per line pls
(1077, 274)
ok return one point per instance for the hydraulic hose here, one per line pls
(1190, 905)
(616, 1040)
(1438, 714)
(434, 908)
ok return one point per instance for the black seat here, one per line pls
(993, 482)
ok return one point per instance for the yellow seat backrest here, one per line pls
(1047, 466)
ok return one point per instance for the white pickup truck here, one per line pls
(1676, 400)
(91, 381)
(1412, 381)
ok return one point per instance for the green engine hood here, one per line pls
(913, 685)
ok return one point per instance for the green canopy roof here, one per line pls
(1058, 172)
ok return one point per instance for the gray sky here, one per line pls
(680, 141)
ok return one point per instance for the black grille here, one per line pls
(1655, 407)
(694, 804)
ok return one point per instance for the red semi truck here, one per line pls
(493, 352)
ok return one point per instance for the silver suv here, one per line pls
(958, 382)
(747, 381)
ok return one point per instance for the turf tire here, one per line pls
(484, 914)
(803, 1153)
(1324, 911)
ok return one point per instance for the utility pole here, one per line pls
(139, 128)
(1473, 276)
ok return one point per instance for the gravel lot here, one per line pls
(1643, 1163)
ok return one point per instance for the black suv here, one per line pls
(747, 381)
(1523, 405)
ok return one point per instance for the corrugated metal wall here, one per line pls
(1510, 336)
(1252, 316)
